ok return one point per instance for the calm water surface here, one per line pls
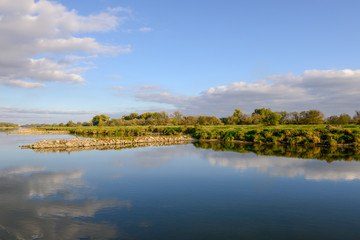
(174, 192)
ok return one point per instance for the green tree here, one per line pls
(344, 119)
(146, 115)
(238, 113)
(209, 120)
(332, 119)
(190, 120)
(268, 117)
(235, 118)
(99, 120)
(284, 117)
(356, 117)
(70, 124)
(311, 117)
(294, 118)
(131, 116)
(177, 118)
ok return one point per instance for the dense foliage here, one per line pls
(260, 116)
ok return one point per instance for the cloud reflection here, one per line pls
(311, 169)
(287, 167)
(154, 156)
(35, 204)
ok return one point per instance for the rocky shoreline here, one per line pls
(91, 143)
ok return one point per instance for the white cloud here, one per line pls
(23, 84)
(34, 34)
(331, 91)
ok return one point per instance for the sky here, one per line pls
(70, 60)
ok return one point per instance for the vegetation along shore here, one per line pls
(266, 127)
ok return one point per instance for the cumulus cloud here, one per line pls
(331, 91)
(36, 36)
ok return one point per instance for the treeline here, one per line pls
(260, 116)
(8, 125)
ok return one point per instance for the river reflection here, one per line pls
(199, 190)
(295, 151)
(287, 167)
(37, 204)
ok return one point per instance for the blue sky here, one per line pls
(69, 60)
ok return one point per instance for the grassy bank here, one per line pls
(285, 134)
(124, 131)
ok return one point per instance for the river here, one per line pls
(188, 191)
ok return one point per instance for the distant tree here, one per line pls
(246, 120)
(356, 117)
(332, 119)
(146, 115)
(70, 124)
(231, 120)
(255, 118)
(177, 114)
(294, 118)
(99, 120)
(164, 115)
(311, 117)
(209, 120)
(156, 115)
(284, 117)
(131, 116)
(86, 124)
(190, 120)
(344, 119)
(268, 117)
(238, 113)
(235, 118)
(177, 118)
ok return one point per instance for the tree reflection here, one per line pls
(329, 154)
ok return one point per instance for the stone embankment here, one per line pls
(89, 143)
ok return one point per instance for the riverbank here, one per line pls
(319, 135)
